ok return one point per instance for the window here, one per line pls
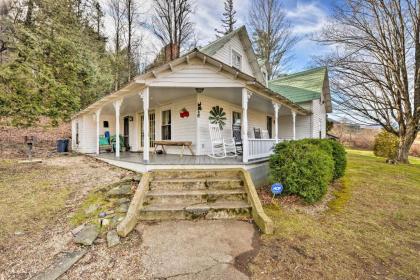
(166, 125)
(106, 124)
(77, 134)
(236, 119)
(270, 127)
(236, 60)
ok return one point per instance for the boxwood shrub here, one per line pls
(303, 168)
(337, 152)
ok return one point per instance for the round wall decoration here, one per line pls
(217, 116)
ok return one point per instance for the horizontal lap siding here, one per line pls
(200, 75)
(255, 119)
(182, 129)
(225, 54)
(318, 119)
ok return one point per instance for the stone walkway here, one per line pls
(184, 250)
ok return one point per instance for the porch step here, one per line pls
(217, 210)
(194, 196)
(205, 183)
(195, 174)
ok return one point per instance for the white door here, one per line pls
(152, 129)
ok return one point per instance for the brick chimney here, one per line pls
(171, 52)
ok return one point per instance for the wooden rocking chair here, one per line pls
(220, 147)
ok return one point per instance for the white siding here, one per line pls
(255, 119)
(195, 74)
(318, 119)
(182, 129)
(87, 134)
(225, 54)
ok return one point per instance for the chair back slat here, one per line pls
(215, 133)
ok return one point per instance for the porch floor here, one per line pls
(168, 159)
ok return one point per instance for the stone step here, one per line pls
(193, 196)
(217, 210)
(196, 184)
(178, 174)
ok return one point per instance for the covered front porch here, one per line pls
(178, 103)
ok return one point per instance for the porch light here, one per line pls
(199, 90)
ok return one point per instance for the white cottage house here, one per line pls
(177, 102)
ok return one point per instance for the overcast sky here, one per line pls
(306, 16)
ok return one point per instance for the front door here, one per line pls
(127, 133)
(152, 125)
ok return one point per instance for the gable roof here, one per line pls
(304, 86)
(212, 48)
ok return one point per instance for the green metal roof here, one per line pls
(300, 87)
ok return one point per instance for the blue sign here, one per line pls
(276, 188)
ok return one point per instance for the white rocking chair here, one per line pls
(220, 147)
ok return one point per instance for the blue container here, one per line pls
(62, 145)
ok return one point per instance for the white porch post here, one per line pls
(97, 114)
(117, 105)
(276, 121)
(294, 124)
(145, 97)
(245, 145)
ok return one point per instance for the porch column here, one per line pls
(97, 114)
(145, 97)
(117, 105)
(294, 124)
(245, 145)
(276, 121)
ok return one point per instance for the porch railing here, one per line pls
(260, 148)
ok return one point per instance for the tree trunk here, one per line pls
(405, 144)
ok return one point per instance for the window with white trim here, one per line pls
(166, 125)
(236, 60)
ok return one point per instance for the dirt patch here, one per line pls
(36, 206)
(242, 261)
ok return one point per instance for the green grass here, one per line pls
(371, 232)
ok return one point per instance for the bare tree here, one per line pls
(228, 20)
(117, 12)
(132, 41)
(272, 34)
(172, 25)
(376, 68)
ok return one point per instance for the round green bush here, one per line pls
(303, 168)
(339, 157)
(386, 145)
(337, 152)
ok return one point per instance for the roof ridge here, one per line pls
(299, 73)
(222, 38)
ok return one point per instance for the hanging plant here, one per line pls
(217, 116)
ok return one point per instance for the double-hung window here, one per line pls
(166, 125)
(236, 60)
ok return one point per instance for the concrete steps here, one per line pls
(195, 194)
(216, 210)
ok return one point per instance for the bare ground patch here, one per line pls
(36, 205)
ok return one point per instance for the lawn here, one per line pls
(371, 230)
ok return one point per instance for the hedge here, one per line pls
(306, 167)
(386, 145)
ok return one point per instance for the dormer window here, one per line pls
(236, 60)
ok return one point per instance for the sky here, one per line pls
(306, 16)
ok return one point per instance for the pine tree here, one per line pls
(229, 20)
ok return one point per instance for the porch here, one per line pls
(173, 159)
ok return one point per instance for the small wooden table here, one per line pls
(182, 144)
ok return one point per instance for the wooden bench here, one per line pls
(182, 144)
